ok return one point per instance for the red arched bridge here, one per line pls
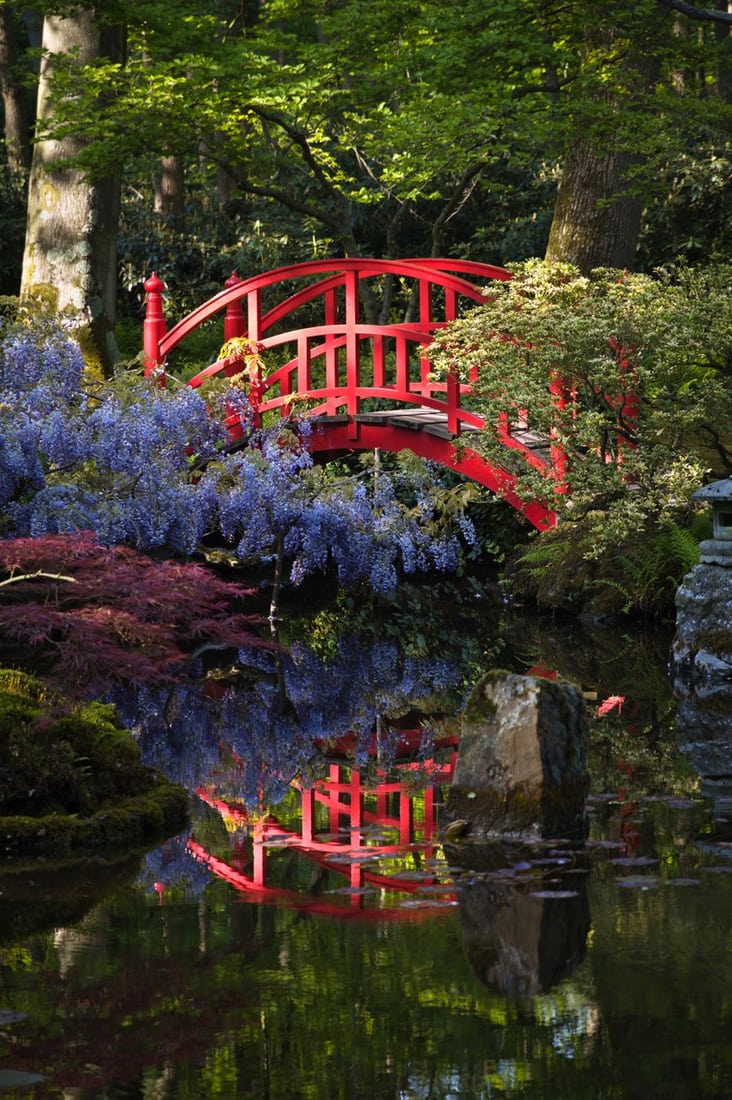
(365, 381)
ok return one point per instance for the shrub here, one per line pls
(636, 577)
(88, 614)
(629, 377)
(60, 758)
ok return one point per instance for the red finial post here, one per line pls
(234, 323)
(154, 326)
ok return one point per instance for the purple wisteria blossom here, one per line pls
(152, 467)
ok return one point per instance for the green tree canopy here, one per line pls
(330, 109)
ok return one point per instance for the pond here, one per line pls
(317, 940)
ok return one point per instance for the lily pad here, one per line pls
(639, 882)
(554, 894)
(352, 891)
(634, 861)
(19, 1079)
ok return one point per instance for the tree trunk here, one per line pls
(13, 97)
(724, 36)
(595, 223)
(225, 188)
(170, 199)
(70, 260)
(596, 219)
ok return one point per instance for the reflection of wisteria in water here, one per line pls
(172, 867)
(359, 683)
(176, 727)
(250, 736)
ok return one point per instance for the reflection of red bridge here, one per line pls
(367, 383)
(364, 829)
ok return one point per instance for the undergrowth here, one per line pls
(637, 577)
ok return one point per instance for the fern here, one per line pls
(662, 563)
(558, 570)
(627, 596)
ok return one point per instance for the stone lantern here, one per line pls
(718, 549)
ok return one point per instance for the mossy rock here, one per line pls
(72, 779)
(160, 813)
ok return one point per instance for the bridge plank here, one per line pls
(431, 422)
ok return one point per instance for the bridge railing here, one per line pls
(331, 372)
(335, 365)
(335, 837)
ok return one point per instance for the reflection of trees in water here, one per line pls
(611, 659)
(634, 747)
(74, 887)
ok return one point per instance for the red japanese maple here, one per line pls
(82, 614)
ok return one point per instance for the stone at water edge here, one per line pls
(521, 766)
(701, 665)
(702, 647)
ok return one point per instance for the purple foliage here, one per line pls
(88, 615)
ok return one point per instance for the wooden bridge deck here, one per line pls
(431, 422)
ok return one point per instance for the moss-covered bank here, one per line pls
(72, 780)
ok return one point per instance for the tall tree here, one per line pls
(13, 96)
(170, 188)
(630, 55)
(373, 125)
(69, 261)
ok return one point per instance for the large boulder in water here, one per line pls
(521, 766)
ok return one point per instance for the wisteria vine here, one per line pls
(151, 467)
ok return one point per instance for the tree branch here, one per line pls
(460, 195)
(16, 577)
(299, 138)
(278, 194)
(711, 14)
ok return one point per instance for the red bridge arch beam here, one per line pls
(338, 438)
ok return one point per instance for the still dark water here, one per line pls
(326, 946)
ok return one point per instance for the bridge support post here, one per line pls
(154, 324)
(561, 396)
(234, 323)
(452, 396)
(259, 854)
(334, 801)
(308, 814)
(406, 816)
(429, 824)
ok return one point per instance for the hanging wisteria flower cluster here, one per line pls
(148, 466)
